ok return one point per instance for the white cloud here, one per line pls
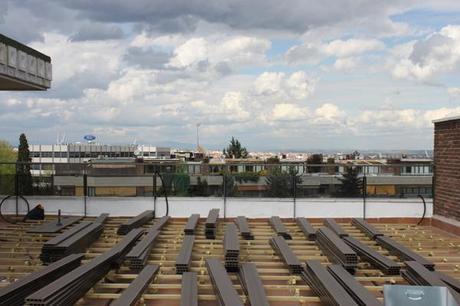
(312, 53)
(233, 52)
(288, 112)
(454, 91)
(268, 83)
(351, 47)
(346, 63)
(425, 58)
(297, 85)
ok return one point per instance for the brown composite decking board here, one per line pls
(160, 223)
(325, 286)
(279, 227)
(131, 295)
(243, 226)
(52, 227)
(376, 259)
(72, 286)
(136, 222)
(336, 250)
(449, 280)
(15, 293)
(184, 257)
(189, 289)
(139, 254)
(404, 253)
(231, 248)
(417, 274)
(358, 292)
(366, 228)
(307, 229)
(287, 255)
(211, 223)
(75, 240)
(335, 227)
(191, 224)
(252, 284)
(102, 218)
(222, 284)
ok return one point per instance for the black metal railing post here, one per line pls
(294, 193)
(16, 188)
(154, 191)
(224, 182)
(364, 195)
(85, 192)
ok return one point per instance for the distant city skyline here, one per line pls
(342, 74)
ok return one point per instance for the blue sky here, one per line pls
(315, 74)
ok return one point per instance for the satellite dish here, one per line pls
(89, 137)
(137, 153)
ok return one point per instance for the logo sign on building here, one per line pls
(89, 137)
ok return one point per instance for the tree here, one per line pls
(235, 150)
(7, 155)
(351, 183)
(23, 166)
(315, 159)
(273, 160)
(281, 183)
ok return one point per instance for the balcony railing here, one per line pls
(283, 180)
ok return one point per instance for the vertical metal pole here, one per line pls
(294, 194)
(154, 191)
(225, 195)
(364, 195)
(85, 191)
(59, 221)
(16, 189)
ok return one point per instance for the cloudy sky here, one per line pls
(295, 74)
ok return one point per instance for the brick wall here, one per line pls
(447, 168)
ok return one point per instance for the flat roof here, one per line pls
(447, 119)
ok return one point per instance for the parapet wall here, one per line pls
(250, 207)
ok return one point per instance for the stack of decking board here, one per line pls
(358, 292)
(307, 228)
(211, 224)
(15, 293)
(325, 286)
(252, 284)
(74, 240)
(69, 288)
(222, 284)
(377, 260)
(284, 251)
(366, 228)
(279, 227)
(184, 258)
(136, 222)
(335, 227)
(231, 248)
(243, 226)
(404, 253)
(139, 254)
(336, 249)
(191, 224)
